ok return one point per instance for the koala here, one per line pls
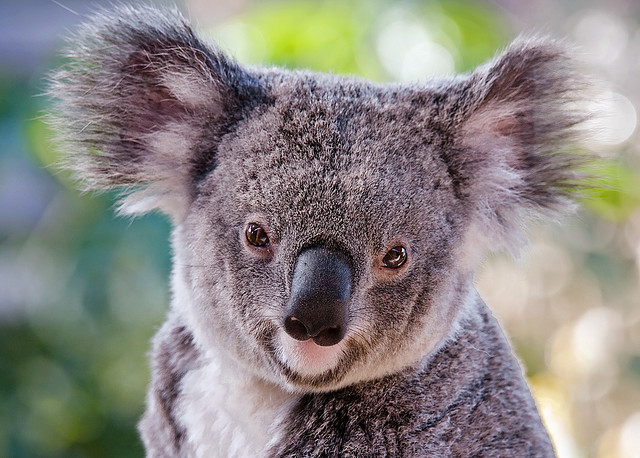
(326, 231)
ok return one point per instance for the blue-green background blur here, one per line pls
(83, 291)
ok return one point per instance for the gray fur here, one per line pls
(469, 400)
(448, 168)
(174, 355)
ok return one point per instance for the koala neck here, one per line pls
(227, 411)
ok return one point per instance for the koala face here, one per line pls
(326, 227)
(352, 176)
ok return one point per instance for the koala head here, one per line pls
(326, 228)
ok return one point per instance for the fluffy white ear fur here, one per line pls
(136, 99)
(170, 189)
(511, 144)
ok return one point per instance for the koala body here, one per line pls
(326, 233)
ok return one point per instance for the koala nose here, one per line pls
(320, 292)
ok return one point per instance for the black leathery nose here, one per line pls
(320, 293)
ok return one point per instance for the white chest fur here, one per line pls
(228, 412)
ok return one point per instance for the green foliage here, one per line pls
(616, 193)
(342, 37)
(318, 35)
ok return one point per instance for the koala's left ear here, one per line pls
(143, 102)
(516, 117)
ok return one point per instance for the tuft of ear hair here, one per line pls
(520, 116)
(135, 100)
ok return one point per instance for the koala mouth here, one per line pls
(307, 358)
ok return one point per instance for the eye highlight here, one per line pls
(395, 257)
(256, 235)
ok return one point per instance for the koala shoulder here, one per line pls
(175, 354)
(462, 400)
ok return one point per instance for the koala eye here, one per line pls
(395, 257)
(256, 235)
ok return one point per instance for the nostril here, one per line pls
(326, 337)
(296, 329)
(329, 336)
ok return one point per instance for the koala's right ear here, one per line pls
(142, 104)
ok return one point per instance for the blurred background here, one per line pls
(82, 292)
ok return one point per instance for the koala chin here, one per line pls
(326, 230)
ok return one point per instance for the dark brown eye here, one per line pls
(395, 257)
(256, 235)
